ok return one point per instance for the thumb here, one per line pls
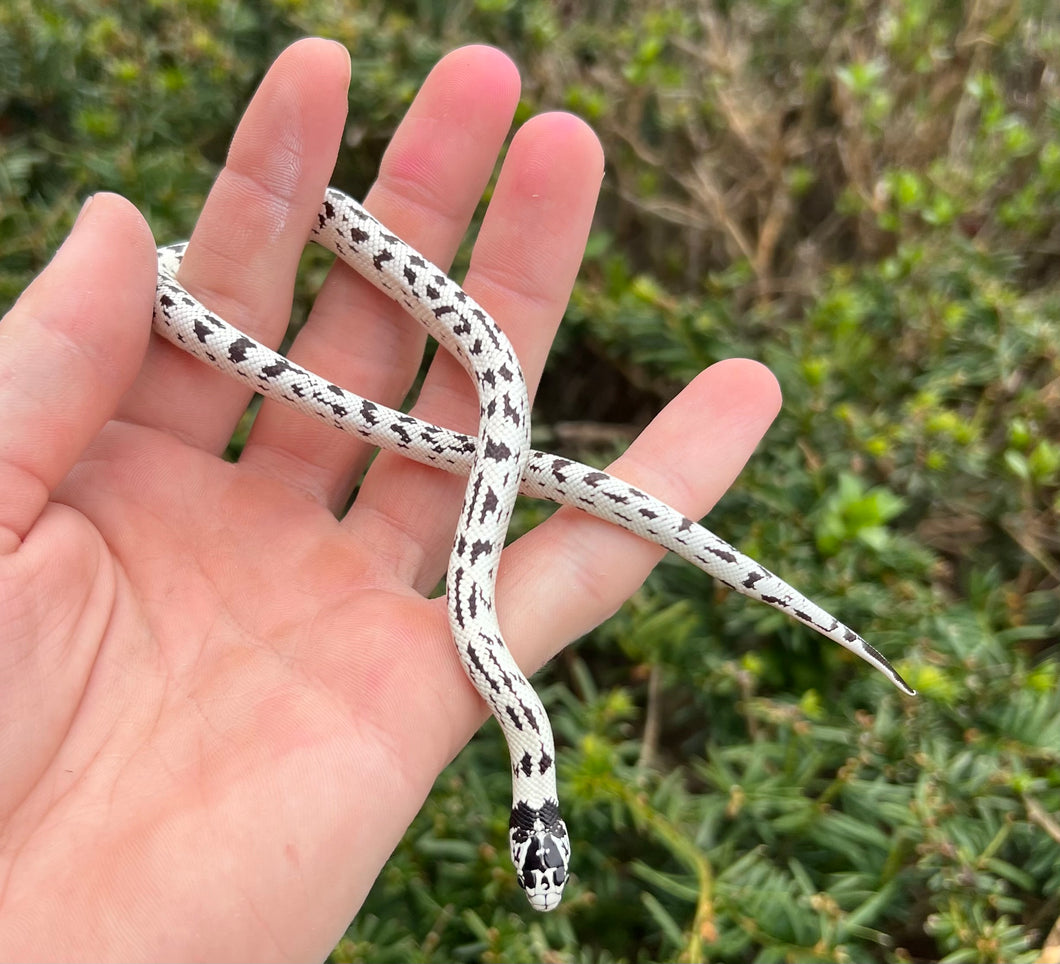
(69, 348)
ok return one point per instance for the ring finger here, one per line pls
(525, 260)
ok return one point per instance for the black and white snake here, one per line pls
(499, 463)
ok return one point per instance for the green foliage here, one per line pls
(868, 200)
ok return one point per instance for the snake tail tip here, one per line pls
(903, 685)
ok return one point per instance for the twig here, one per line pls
(652, 720)
(1036, 813)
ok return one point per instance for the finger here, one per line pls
(573, 571)
(430, 182)
(245, 249)
(68, 349)
(522, 271)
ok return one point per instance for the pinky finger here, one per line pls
(574, 571)
(69, 348)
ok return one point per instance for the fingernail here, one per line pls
(84, 208)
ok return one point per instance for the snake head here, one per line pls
(540, 852)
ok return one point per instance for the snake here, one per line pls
(499, 464)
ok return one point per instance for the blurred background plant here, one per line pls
(865, 196)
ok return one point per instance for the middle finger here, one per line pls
(430, 181)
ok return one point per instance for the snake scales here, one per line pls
(499, 463)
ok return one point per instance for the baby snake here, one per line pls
(499, 463)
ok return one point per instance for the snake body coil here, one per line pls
(498, 463)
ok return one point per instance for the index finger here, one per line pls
(243, 255)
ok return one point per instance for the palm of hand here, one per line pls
(230, 638)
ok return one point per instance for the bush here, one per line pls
(868, 200)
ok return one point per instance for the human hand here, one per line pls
(220, 705)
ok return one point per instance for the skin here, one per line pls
(221, 705)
